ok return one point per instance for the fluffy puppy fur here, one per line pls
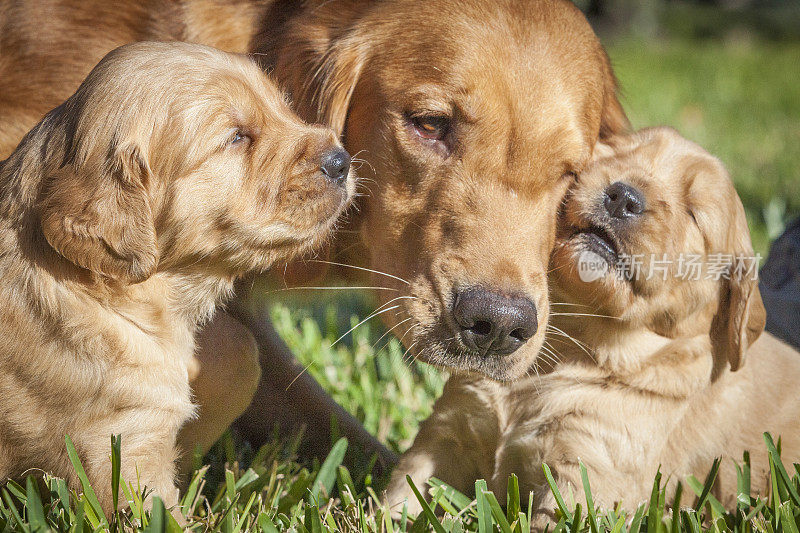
(125, 216)
(637, 371)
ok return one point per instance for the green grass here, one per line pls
(275, 494)
(367, 373)
(269, 491)
(741, 102)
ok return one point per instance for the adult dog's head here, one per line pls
(174, 157)
(653, 233)
(472, 116)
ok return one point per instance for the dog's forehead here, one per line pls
(512, 71)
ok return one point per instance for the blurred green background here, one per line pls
(725, 74)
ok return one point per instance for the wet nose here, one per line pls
(493, 323)
(623, 201)
(336, 165)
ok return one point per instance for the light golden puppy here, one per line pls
(125, 216)
(644, 359)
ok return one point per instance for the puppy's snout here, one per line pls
(623, 201)
(493, 323)
(335, 165)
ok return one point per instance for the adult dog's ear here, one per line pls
(98, 216)
(613, 120)
(740, 317)
(320, 60)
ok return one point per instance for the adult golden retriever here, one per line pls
(472, 114)
(645, 359)
(125, 216)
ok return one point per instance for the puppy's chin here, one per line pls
(302, 227)
(585, 270)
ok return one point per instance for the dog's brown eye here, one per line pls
(434, 127)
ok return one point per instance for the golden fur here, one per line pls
(525, 90)
(125, 216)
(526, 87)
(635, 373)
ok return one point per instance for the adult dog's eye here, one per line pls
(433, 127)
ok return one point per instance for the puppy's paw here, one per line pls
(399, 495)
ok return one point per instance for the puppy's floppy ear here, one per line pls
(613, 120)
(740, 317)
(322, 60)
(98, 216)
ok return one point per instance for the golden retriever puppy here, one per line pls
(125, 216)
(654, 276)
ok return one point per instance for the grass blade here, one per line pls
(554, 489)
(709, 483)
(787, 519)
(313, 523)
(116, 463)
(191, 498)
(497, 512)
(33, 506)
(784, 476)
(655, 511)
(483, 508)
(158, 522)
(265, 524)
(426, 509)
(698, 489)
(512, 498)
(676, 507)
(88, 491)
(327, 473)
(14, 513)
(458, 499)
(590, 510)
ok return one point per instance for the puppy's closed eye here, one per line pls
(241, 138)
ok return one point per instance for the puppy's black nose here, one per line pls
(623, 201)
(493, 323)
(336, 165)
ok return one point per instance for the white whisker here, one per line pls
(334, 289)
(403, 358)
(373, 315)
(298, 375)
(359, 268)
(578, 343)
(586, 314)
(390, 330)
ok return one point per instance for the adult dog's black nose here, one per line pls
(493, 323)
(623, 201)
(336, 165)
